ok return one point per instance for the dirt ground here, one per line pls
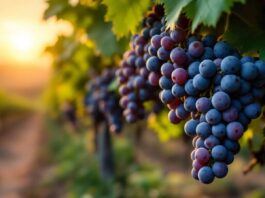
(22, 138)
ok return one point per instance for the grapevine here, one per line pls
(209, 84)
(194, 65)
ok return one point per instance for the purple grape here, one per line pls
(172, 117)
(155, 41)
(167, 43)
(167, 69)
(196, 49)
(234, 130)
(230, 114)
(203, 105)
(178, 56)
(178, 35)
(179, 76)
(163, 54)
(211, 141)
(153, 79)
(221, 101)
(202, 155)
(181, 112)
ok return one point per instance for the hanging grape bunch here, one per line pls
(102, 103)
(137, 84)
(209, 83)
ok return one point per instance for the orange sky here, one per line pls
(23, 34)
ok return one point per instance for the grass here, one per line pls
(14, 105)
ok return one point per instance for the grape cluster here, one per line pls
(211, 86)
(102, 103)
(134, 86)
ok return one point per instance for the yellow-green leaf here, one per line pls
(125, 15)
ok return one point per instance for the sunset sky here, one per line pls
(23, 34)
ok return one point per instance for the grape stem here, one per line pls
(250, 166)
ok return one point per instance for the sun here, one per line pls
(23, 42)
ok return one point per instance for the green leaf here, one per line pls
(245, 30)
(125, 15)
(54, 8)
(205, 12)
(173, 9)
(100, 32)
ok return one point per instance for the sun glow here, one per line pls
(23, 44)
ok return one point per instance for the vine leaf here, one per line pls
(54, 8)
(205, 12)
(246, 29)
(173, 9)
(100, 32)
(125, 15)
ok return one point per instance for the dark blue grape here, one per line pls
(203, 130)
(211, 141)
(209, 41)
(178, 90)
(253, 111)
(249, 71)
(201, 83)
(153, 64)
(206, 175)
(189, 104)
(207, 68)
(213, 116)
(181, 112)
(230, 83)
(190, 127)
(222, 49)
(220, 169)
(230, 65)
(219, 130)
(167, 69)
(219, 153)
(193, 69)
(165, 83)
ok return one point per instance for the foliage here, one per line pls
(89, 18)
(76, 167)
(100, 35)
(125, 15)
(164, 129)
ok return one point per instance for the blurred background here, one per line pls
(44, 152)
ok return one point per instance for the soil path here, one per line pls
(20, 145)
